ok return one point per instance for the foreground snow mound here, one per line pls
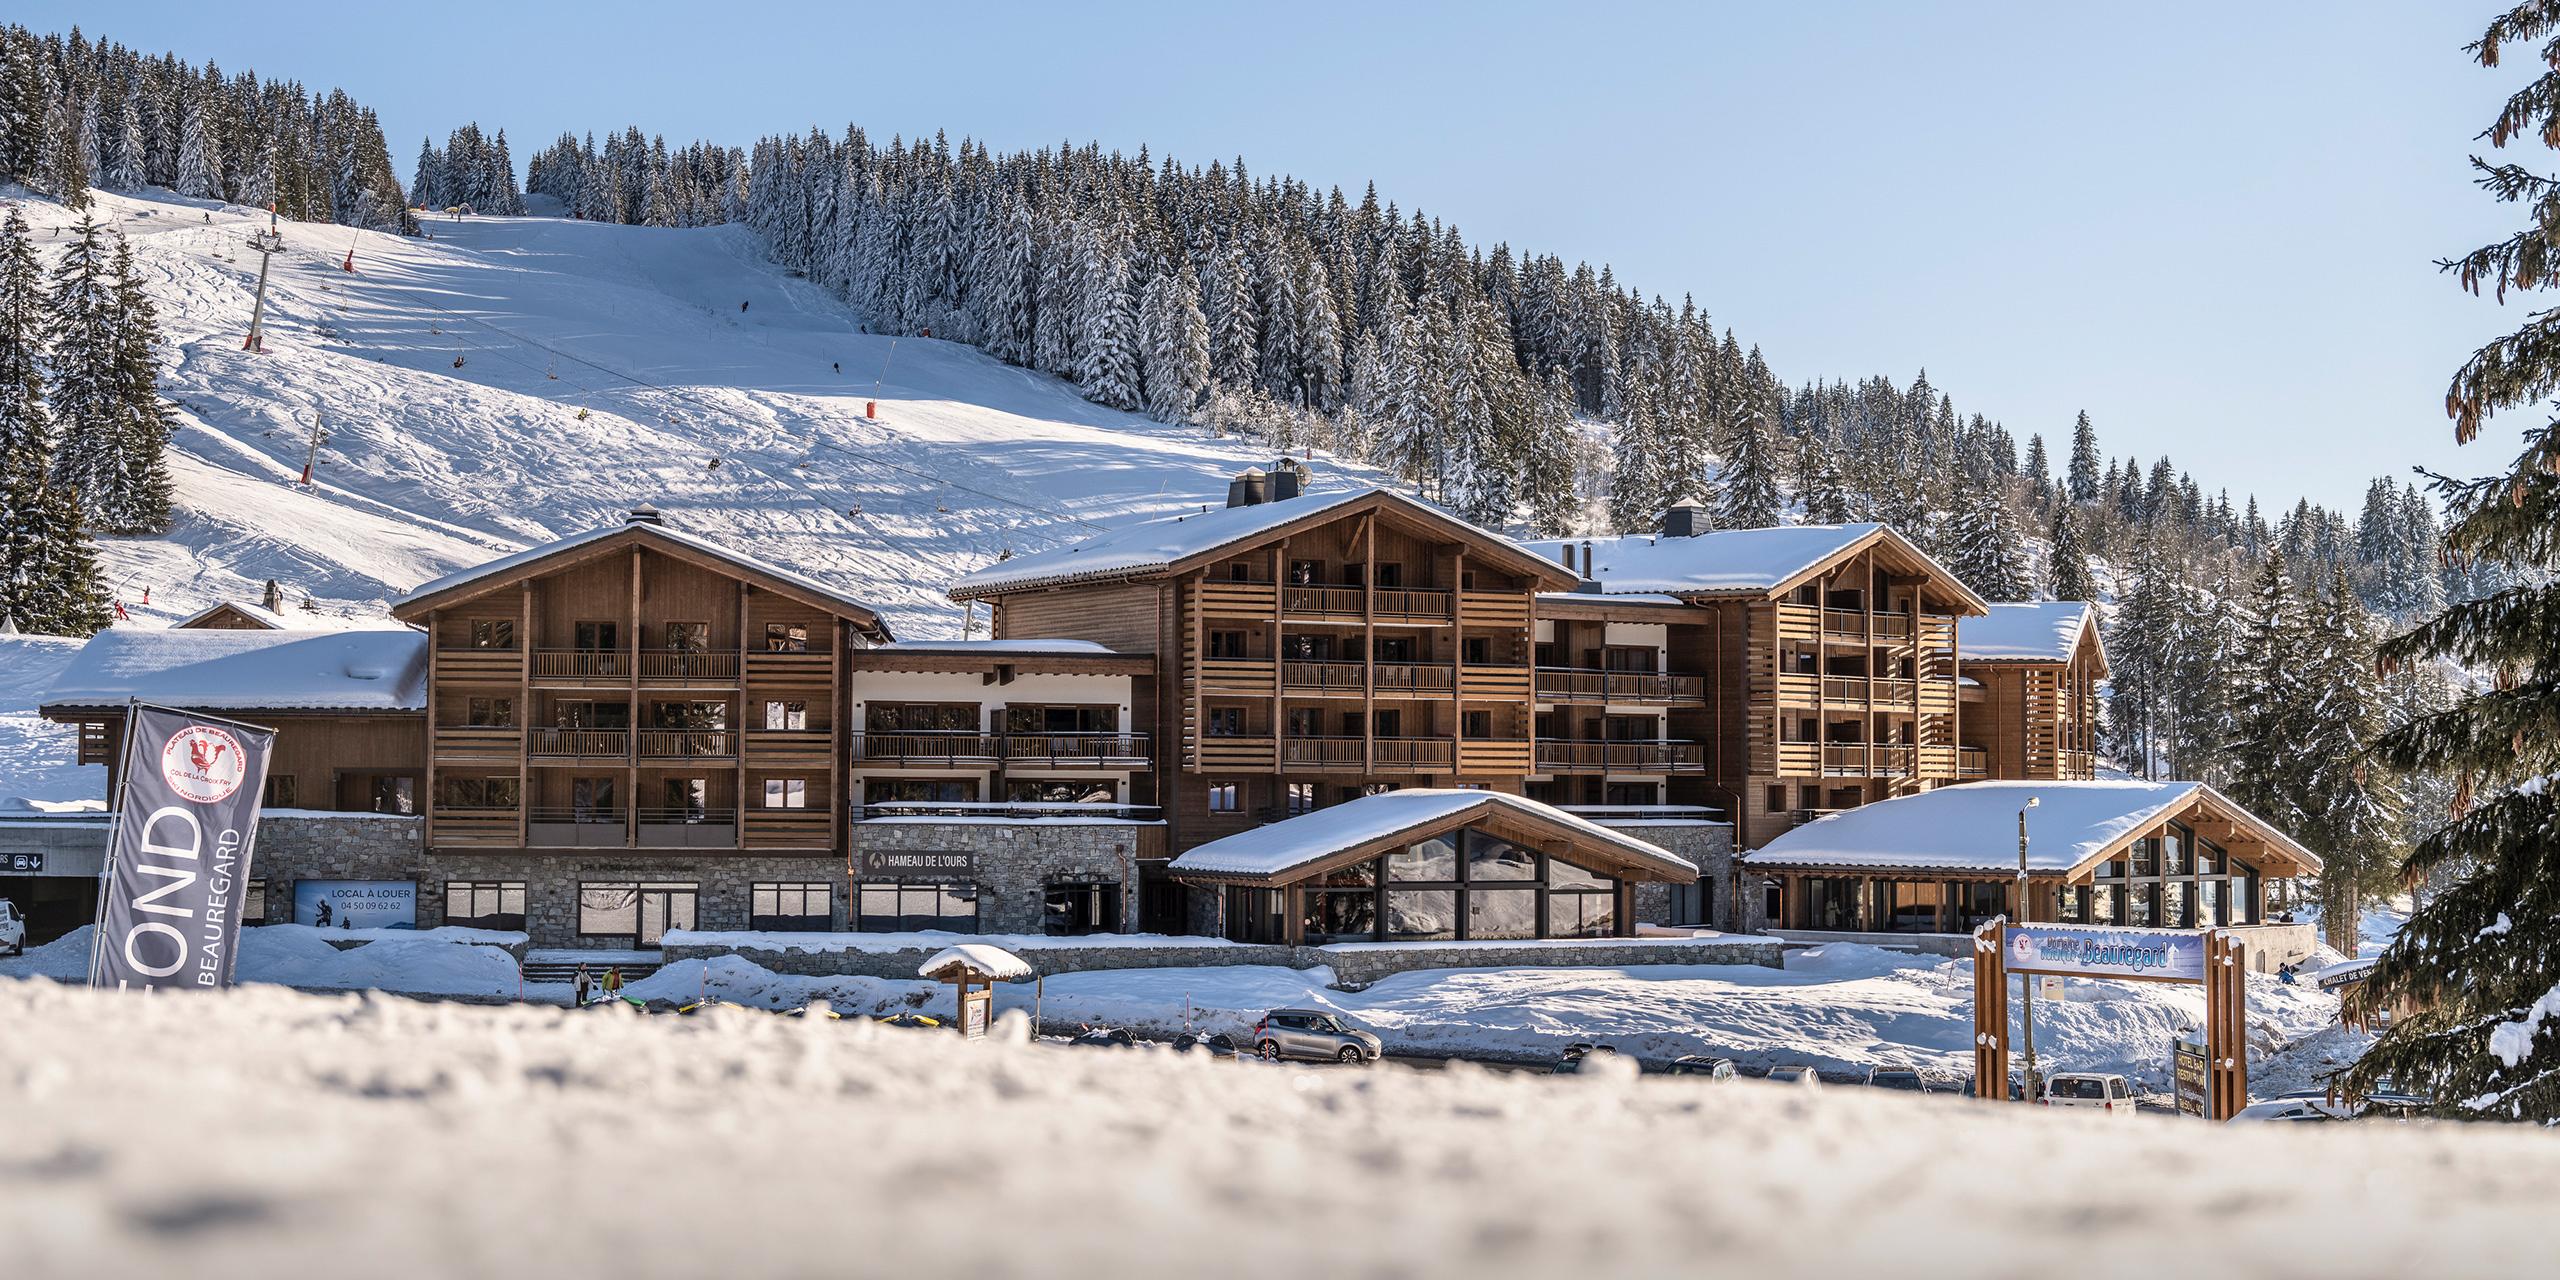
(200, 1134)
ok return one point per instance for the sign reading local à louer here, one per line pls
(178, 862)
(2165, 954)
(356, 904)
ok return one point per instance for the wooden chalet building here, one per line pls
(1793, 671)
(2031, 689)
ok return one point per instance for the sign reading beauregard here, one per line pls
(2166, 954)
(918, 862)
(186, 825)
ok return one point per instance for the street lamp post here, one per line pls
(2027, 980)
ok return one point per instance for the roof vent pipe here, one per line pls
(1586, 559)
(273, 600)
(1250, 489)
(643, 514)
(1286, 477)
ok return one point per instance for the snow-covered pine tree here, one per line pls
(2069, 560)
(1107, 315)
(139, 501)
(1642, 486)
(1751, 497)
(1549, 480)
(426, 182)
(2039, 471)
(1235, 325)
(66, 167)
(2272, 702)
(2082, 484)
(2349, 801)
(86, 394)
(24, 424)
(49, 580)
(2481, 956)
(1985, 549)
(1176, 342)
(1824, 493)
(200, 144)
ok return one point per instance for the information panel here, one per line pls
(2166, 955)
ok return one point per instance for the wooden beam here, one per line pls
(631, 735)
(524, 721)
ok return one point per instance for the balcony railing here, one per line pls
(1889, 760)
(1393, 678)
(680, 665)
(1587, 684)
(687, 744)
(582, 664)
(576, 826)
(931, 748)
(1638, 756)
(1343, 751)
(1336, 600)
(1852, 622)
(688, 828)
(1007, 809)
(1423, 604)
(1394, 602)
(583, 743)
(1973, 762)
(1069, 749)
(1090, 750)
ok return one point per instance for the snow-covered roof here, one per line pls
(237, 670)
(2044, 631)
(1974, 827)
(1158, 545)
(1045, 647)
(984, 961)
(256, 613)
(1727, 561)
(304, 621)
(507, 564)
(1278, 848)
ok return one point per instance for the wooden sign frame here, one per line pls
(2226, 1015)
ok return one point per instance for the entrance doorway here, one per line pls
(642, 911)
(664, 907)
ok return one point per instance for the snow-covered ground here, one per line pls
(38, 759)
(600, 366)
(433, 962)
(266, 1131)
(1840, 1008)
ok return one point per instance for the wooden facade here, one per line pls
(344, 761)
(2037, 718)
(636, 691)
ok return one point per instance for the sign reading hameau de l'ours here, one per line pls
(2169, 955)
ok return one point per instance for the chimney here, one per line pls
(643, 514)
(1586, 558)
(1683, 519)
(273, 600)
(1286, 476)
(1251, 489)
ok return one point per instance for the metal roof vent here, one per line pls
(643, 514)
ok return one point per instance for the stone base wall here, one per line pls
(1731, 908)
(1014, 863)
(902, 962)
(723, 885)
(1356, 967)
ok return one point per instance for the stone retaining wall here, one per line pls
(902, 962)
(1710, 846)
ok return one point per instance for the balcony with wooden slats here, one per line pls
(552, 745)
(582, 668)
(789, 669)
(1238, 599)
(1624, 688)
(788, 748)
(456, 828)
(1493, 609)
(687, 744)
(477, 744)
(480, 666)
(1239, 676)
(1571, 755)
(681, 668)
(958, 750)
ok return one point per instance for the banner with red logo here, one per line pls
(178, 863)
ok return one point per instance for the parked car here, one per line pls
(1577, 1054)
(13, 930)
(1314, 1035)
(1700, 1065)
(1796, 1074)
(1900, 1079)
(2089, 1090)
(1103, 1038)
(2017, 1088)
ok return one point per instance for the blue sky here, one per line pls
(2210, 225)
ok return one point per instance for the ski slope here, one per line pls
(736, 423)
(601, 366)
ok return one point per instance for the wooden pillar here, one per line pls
(427, 802)
(631, 734)
(1990, 1015)
(524, 721)
(738, 731)
(1279, 683)
(1198, 657)
(1457, 666)
(1369, 645)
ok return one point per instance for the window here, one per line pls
(639, 910)
(1222, 797)
(493, 633)
(786, 793)
(1239, 571)
(1227, 644)
(1477, 724)
(1389, 722)
(468, 792)
(1908, 906)
(281, 792)
(394, 793)
(1305, 573)
(1478, 650)
(1038, 719)
(686, 799)
(592, 636)
(1306, 722)
(905, 906)
(1390, 576)
(1060, 791)
(1690, 903)
(1777, 799)
(786, 637)
(791, 907)
(688, 637)
(253, 902)
(1634, 793)
(786, 715)
(592, 800)
(922, 717)
(1392, 649)
(1301, 798)
(491, 713)
(484, 904)
(1226, 722)
(1072, 910)
(920, 791)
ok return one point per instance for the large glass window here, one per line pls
(905, 906)
(1077, 909)
(484, 904)
(1502, 913)
(1422, 915)
(1691, 904)
(791, 906)
(1489, 858)
(1432, 861)
(1909, 906)
(1978, 902)
(1581, 915)
(1336, 915)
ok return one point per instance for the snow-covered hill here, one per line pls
(599, 366)
(509, 380)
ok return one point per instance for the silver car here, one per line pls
(1312, 1034)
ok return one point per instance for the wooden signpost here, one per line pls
(2215, 958)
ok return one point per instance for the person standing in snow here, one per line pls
(613, 983)
(585, 985)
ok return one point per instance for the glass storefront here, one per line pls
(1463, 884)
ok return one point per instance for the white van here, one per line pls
(2094, 1090)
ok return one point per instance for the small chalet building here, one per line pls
(2172, 855)
(1429, 865)
(2031, 698)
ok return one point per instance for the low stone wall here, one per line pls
(1353, 966)
(1014, 861)
(1954, 946)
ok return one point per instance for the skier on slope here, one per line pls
(742, 304)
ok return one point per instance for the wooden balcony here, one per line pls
(1415, 606)
(687, 828)
(789, 747)
(1508, 682)
(578, 828)
(1567, 755)
(795, 669)
(454, 828)
(1591, 685)
(789, 828)
(463, 744)
(1241, 752)
(1493, 609)
(1480, 756)
(2079, 766)
(688, 744)
(1973, 762)
(582, 667)
(1079, 750)
(1324, 602)
(1867, 760)
(480, 666)
(1351, 679)
(1806, 622)
(578, 744)
(970, 750)
(1248, 599)
(1244, 676)
(1346, 604)
(1393, 755)
(687, 667)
